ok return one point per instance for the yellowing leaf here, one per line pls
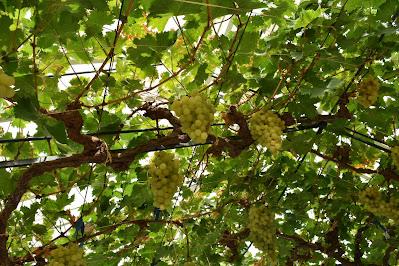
(6, 91)
(6, 80)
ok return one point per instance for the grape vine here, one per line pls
(196, 115)
(165, 178)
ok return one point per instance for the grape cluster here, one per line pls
(89, 228)
(5, 85)
(266, 128)
(368, 92)
(189, 263)
(373, 201)
(71, 255)
(196, 115)
(395, 156)
(165, 178)
(262, 228)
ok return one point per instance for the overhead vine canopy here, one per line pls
(199, 132)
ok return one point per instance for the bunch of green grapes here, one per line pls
(189, 263)
(373, 201)
(5, 85)
(266, 128)
(71, 255)
(262, 228)
(368, 92)
(395, 155)
(196, 115)
(165, 178)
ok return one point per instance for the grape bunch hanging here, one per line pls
(373, 201)
(368, 92)
(196, 115)
(71, 255)
(165, 178)
(267, 128)
(262, 229)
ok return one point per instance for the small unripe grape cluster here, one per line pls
(71, 255)
(165, 178)
(368, 92)
(266, 128)
(262, 228)
(6, 82)
(372, 200)
(89, 228)
(395, 156)
(196, 115)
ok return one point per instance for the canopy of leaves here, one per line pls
(76, 144)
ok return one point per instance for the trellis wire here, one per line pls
(101, 133)
(105, 93)
(27, 162)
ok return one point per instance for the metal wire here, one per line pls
(101, 133)
(27, 162)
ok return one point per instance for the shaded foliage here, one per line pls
(304, 61)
